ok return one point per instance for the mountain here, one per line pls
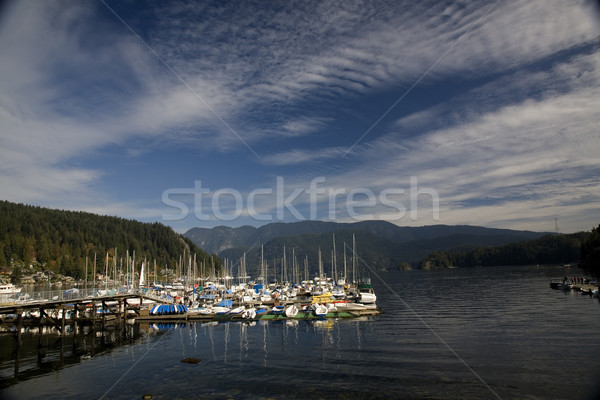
(220, 238)
(380, 244)
(60, 240)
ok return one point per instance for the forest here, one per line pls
(590, 253)
(59, 241)
(549, 249)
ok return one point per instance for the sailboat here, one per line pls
(142, 280)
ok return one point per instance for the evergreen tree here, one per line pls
(17, 274)
(590, 252)
(60, 240)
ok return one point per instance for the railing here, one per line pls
(39, 295)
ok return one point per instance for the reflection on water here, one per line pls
(44, 349)
(523, 339)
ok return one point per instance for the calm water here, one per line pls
(480, 333)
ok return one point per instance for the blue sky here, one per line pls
(419, 113)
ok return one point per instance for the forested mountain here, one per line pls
(60, 240)
(221, 238)
(380, 245)
(371, 250)
(549, 249)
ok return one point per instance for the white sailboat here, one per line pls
(142, 280)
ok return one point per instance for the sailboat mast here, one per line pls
(262, 264)
(306, 275)
(293, 266)
(353, 258)
(284, 267)
(94, 270)
(106, 272)
(320, 265)
(115, 267)
(345, 268)
(334, 276)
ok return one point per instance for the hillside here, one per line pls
(60, 240)
(549, 249)
(221, 238)
(380, 244)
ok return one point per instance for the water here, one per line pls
(483, 333)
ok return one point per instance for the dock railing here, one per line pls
(39, 295)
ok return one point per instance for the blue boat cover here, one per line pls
(225, 303)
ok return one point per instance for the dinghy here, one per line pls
(291, 311)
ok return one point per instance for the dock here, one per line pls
(302, 315)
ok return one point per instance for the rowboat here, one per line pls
(291, 311)
(320, 310)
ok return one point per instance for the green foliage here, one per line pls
(549, 249)
(590, 252)
(417, 241)
(17, 274)
(404, 266)
(61, 240)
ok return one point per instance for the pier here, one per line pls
(72, 312)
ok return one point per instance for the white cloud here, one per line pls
(75, 82)
(299, 156)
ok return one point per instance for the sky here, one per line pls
(198, 114)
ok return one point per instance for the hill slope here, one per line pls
(381, 245)
(60, 240)
(221, 238)
(549, 249)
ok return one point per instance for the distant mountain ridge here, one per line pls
(381, 243)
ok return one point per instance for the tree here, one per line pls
(2, 258)
(590, 252)
(17, 274)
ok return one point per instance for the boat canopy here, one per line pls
(225, 303)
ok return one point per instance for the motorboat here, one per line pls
(9, 288)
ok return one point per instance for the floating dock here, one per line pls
(267, 316)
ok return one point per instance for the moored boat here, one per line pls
(277, 309)
(291, 311)
(367, 295)
(320, 310)
(9, 288)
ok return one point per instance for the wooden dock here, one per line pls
(60, 313)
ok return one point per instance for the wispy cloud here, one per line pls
(522, 113)
(298, 156)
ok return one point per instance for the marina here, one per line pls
(191, 296)
(250, 304)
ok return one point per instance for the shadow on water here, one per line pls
(41, 350)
